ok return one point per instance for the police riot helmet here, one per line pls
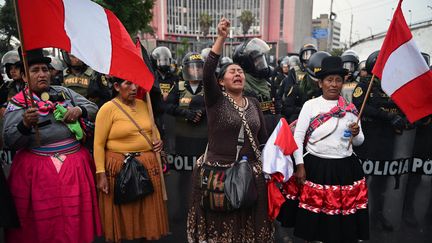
(161, 58)
(251, 56)
(56, 63)
(193, 64)
(350, 60)
(284, 61)
(223, 63)
(205, 52)
(10, 58)
(314, 63)
(305, 54)
(370, 61)
(361, 66)
(294, 61)
(225, 60)
(67, 59)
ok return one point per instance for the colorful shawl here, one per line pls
(338, 111)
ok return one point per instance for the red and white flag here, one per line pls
(89, 32)
(278, 164)
(277, 151)
(404, 74)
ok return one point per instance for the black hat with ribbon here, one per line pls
(34, 56)
(331, 65)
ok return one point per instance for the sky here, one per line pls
(371, 16)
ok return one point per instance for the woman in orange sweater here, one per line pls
(116, 135)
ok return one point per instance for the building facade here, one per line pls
(323, 33)
(284, 24)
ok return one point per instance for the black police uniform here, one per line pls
(290, 97)
(381, 122)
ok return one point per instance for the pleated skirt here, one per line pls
(146, 218)
(54, 205)
(332, 204)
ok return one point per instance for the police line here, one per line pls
(370, 167)
(397, 167)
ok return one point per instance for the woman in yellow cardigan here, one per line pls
(116, 135)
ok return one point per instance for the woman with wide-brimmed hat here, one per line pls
(331, 203)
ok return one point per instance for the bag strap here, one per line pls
(140, 130)
(245, 124)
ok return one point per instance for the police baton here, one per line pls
(362, 107)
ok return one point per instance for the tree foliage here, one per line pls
(337, 52)
(134, 14)
(246, 19)
(205, 21)
(8, 27)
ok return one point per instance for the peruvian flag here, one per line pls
(86, 30)
(277, 151)
(277, 163)
(404, 74)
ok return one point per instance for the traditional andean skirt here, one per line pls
(243, 225)
(332, 205)
(55, 196)
(146, 218)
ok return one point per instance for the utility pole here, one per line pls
(350, 38)
(330, 38)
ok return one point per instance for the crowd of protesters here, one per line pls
(72, 130)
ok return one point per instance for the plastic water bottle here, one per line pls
(347, 132)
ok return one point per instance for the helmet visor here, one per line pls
(193, 71)
(163, 61)
(307, 54)
(350, 66)
(260, 63)
(256, 47)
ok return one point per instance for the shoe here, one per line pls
(384, 222)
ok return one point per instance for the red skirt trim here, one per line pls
(328, 199)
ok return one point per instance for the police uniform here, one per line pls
(90, 84)
(265, 99)
(309, 89)
(191, 138)
(380, 135)
(348, 89)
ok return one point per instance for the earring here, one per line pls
(223, 88)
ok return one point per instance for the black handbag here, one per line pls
(132, 182)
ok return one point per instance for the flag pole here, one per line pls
(363, 106)
(155, 138)
(25, 64)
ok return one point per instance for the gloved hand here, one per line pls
(399, 123)
(189, 114)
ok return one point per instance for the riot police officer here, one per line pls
(382, 123)
(350, 62)
(423, 151)
(85, 81)
(305, 54)
(12, 64)
(166, 78)
(251, 56)
(56, 68)
(162, 59)
(186, 103)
